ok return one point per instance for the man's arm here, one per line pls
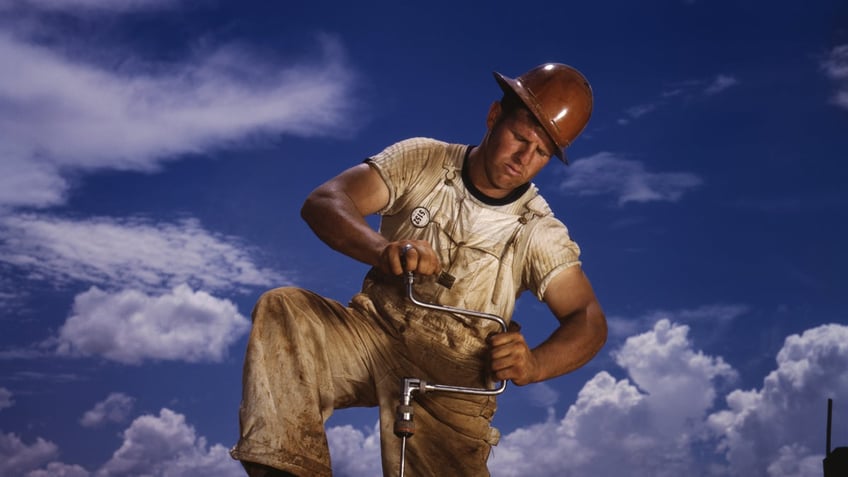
(581, 333)
(336, 212)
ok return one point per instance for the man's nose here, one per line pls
(524, 153)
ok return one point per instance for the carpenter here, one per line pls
(468, 221)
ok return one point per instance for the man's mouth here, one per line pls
(512, 171)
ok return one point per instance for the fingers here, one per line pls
(411, 256)
(511, 358)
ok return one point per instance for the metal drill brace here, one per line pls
(404, 425)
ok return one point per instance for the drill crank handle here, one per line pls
(424, 386)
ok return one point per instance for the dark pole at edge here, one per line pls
(829, 417)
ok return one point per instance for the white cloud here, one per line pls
(16, 457)
(542, 395)
(721, 313)
(835, 67)
(28, 182)
(780, 427)
(719, 84)
(355, 453)
(795, 460)
(715, 316)
(627, 180)
(681, 91)
(130, 327)
(61, 116)
(115, 408)
(594, 435)
(58, 469)
(680, 381)
(648, 426)
(128, 253)
(165, 445)
(636, 112)
(6, 398)
(641, 110)
(161, 446)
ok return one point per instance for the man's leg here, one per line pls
(306, 355)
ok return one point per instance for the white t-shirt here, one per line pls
(493, 251)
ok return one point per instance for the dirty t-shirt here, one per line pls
(490, 250)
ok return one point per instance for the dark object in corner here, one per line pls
(835, 463)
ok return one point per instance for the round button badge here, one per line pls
(420, 217)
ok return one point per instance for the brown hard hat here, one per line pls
(558, 96)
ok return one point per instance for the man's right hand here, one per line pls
(410, 256)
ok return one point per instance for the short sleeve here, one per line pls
(403, 164)
(550, 250)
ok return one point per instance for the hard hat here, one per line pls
(558, 96)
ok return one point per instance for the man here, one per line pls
(471, 226)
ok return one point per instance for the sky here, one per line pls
(154, 155)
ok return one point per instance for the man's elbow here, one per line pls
(310, 210)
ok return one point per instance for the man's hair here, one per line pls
(511, 104)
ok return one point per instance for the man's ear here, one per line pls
(495, 111)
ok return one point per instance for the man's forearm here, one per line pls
(573, 344)
(337, 222)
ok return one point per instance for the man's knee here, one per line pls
(275, 301)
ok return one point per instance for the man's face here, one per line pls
(517, 148)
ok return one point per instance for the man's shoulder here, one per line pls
(536, 204)
(426, 145)
(419, 153)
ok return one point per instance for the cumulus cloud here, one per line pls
(115, 408)
(780, 426)
(648, 424)
(130, 326)
(680, 381)
(165, 445)
(627, 180)
(128, 253)
(16, 457)
(6, 398)
(656, 423)
(835, 67)
(61, 115)
(355, 453)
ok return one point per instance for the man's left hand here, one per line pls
(512, 359)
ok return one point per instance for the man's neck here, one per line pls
(475, 180)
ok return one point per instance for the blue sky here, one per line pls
(154, 155)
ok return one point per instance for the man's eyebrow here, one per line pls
(540, 131)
